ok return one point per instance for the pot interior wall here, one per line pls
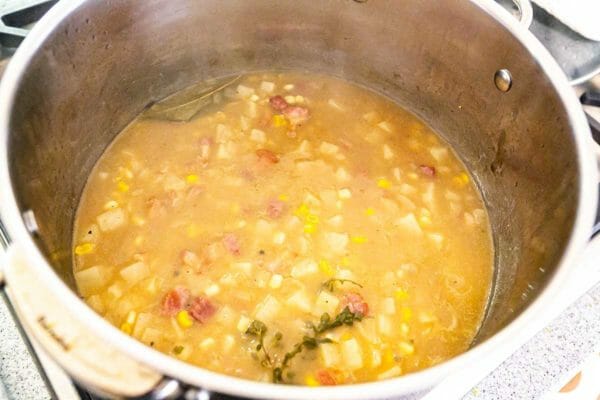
(108, 60)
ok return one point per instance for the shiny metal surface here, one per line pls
(90, 67)
(503, 80)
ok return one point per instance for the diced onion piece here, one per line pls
(388, 154)
(144, 320)
(345, 274)
(243, 324)
(207, 343)
(390, 373)
(258, 136)
(326, 303)
(336, 221)
(228, 343)
(409, 224)
(406, 348)
(267, 87)
(225, 316)
(342, 175)
(384, 325)
(111, 220)
(336, 105)
(407, 189)
(304, 268)
(290, 99)
(389, 306)
(115, 290)
(397, 174)
(328, 148)
(135, 272)
(223, 133)
(344, 193)
(150, 335)
(300, 300)
(437, 239)
(330, 354)
(352, 354)
(275, 281)
(337, 243)
(268, 309)
(439, 153)
(279, 238)
(251, 109)
(90, 280)
(386, 126)
(375, 358)
(212, 290)
(288, 87)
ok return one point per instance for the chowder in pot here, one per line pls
(292, 228)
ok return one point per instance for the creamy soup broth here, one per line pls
(299, 229)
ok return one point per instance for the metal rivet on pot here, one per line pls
(197, 394)
(503, 80)
(30, 222)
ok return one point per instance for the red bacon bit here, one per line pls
(267, 156)
(175, 300)
(325, 377)
(356, 304)
(232, 244)
(275, 208)
(427, 170)
(201, 309)
(296, 114)
(278, 103)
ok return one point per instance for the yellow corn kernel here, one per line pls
(424, 220)
(310, 228)
(346, 336)
(127, 328)
(312, 219)
(388, 356)
(345, 261)
(370, 211)
(279, 121)
(406, 348)
(192, 230)
(461, 179)
(302, 210)
(122, 186)
(183, 319)
(325, 267)
(84, 248)
(358, 239)
(383, 183)
(131, 317)
(401, 294)
(404, 328)
(283, 197)
(311, 381)
(406, 314)
(191, 178)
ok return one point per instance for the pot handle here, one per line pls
(85, 357)
(526, 12)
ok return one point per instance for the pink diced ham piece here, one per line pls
(275, 208)
(175, 300)
(356, 304)
(201, 309)
(232, 244)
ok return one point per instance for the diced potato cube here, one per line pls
(390, 373)
(288, 87)
(337, 243)
(267, 87)
(352, 354)
(115, 290)
(90, 280)
(275, 282)
(290, 99)
(397, 174)
(326, 303)
(439, 153)
(111, 220)
(268, 309)
(384, 325)
(223, 134)
(143, 322)
(279, 238)
(245, 91)
(409, 224)
(406, 348)
(389, 306)
(304, 268)
(258, 136)
(251, 110)
(328, 148)
(243, 324)
(407, 189)
(330, 354)
(367, 329)
(300, 300)
(135, 272)
(345, 274)
(228, 343)
(336, 221)
(226, 316)
(388, 154)
(437, 239)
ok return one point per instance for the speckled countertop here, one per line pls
(534, 371)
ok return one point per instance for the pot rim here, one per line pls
(410, 383)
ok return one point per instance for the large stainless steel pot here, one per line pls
(89, 67)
